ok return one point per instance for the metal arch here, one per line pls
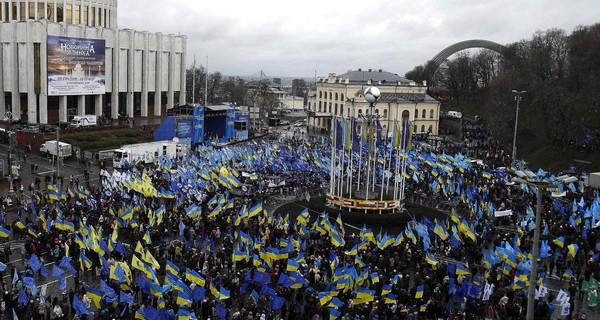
(459, 46)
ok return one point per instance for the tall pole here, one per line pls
(194, 82)
(206, 84)
(8, 115)
(58, 156)
(514, 150)
(536, 249)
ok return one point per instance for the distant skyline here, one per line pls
(289, 39)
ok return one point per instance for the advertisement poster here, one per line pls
(198, 136)
(184, 129)
(76, 66)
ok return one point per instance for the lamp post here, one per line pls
(371, 95)
(8, 115)
(518, 98)
(536, 243)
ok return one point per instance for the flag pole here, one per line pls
(332, 168)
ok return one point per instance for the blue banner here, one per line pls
(229, 132)
(198, 136)
(184, 129)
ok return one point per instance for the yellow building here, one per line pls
(342, 96)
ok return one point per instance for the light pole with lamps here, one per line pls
(518, 98)
(536, 243)
(8, 116)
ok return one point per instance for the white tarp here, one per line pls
(503, 213)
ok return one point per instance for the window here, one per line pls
(359, 111)
(336, 96)
(405, 114)
(415, 128)
(385, 113)
(430, 129)
(69, 14)
(342, 96)
(376, 111)
(349, 111)
(431, 114)
(320, 94)
(423, 113)
(319, 106)
(31, 10)
(86, 16)
(423, 128)
(76, 15)
(330, 106)
(416, 113)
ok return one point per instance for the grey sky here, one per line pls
(295, 38)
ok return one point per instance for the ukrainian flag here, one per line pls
(194, 277)
(292, 265)
(462, 270)
(431, 259)
(573, 249)
(4, 233)
(254, 296)
(147, 238)
(391, 298)
(19, 224)
(85, 261)
(183, 314)
(224, 294)
(171, 268)
(419, 293)
(256, 210)
(303, 217)
(183, 298)
(560, 241)
(239, 255)
(94, 294)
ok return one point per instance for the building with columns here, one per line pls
(342, 96)
(144, 72)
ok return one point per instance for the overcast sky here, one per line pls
(297, 38)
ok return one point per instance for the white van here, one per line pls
(455, 114)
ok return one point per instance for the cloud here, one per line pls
(297, 38)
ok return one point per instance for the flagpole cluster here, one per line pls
(362, 152)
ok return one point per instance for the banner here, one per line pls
(76, 66)
(198, 136)
(503, 213)
(229, 131)
(184, 129)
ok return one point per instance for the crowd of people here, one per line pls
(189, 238)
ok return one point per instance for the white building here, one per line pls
(143, 73)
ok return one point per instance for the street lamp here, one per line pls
(518, 98)
(371, 95)
(536, 242)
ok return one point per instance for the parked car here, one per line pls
(284, 123)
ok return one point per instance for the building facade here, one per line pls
(341, 96)
(143, 73)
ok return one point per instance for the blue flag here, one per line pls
(80, 307)
(34, 263)
(276, 302)
(181, 228)
(221, 311)
(23, 298)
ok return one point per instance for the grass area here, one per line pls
(97, 141)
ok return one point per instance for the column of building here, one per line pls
(159, 75)
(145, 72)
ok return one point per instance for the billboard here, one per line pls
(76, 66)
(184, 129)
(198, 136)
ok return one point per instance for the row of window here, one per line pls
(327, 122)
(331, 95)
(78, 14)
(385, 112)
